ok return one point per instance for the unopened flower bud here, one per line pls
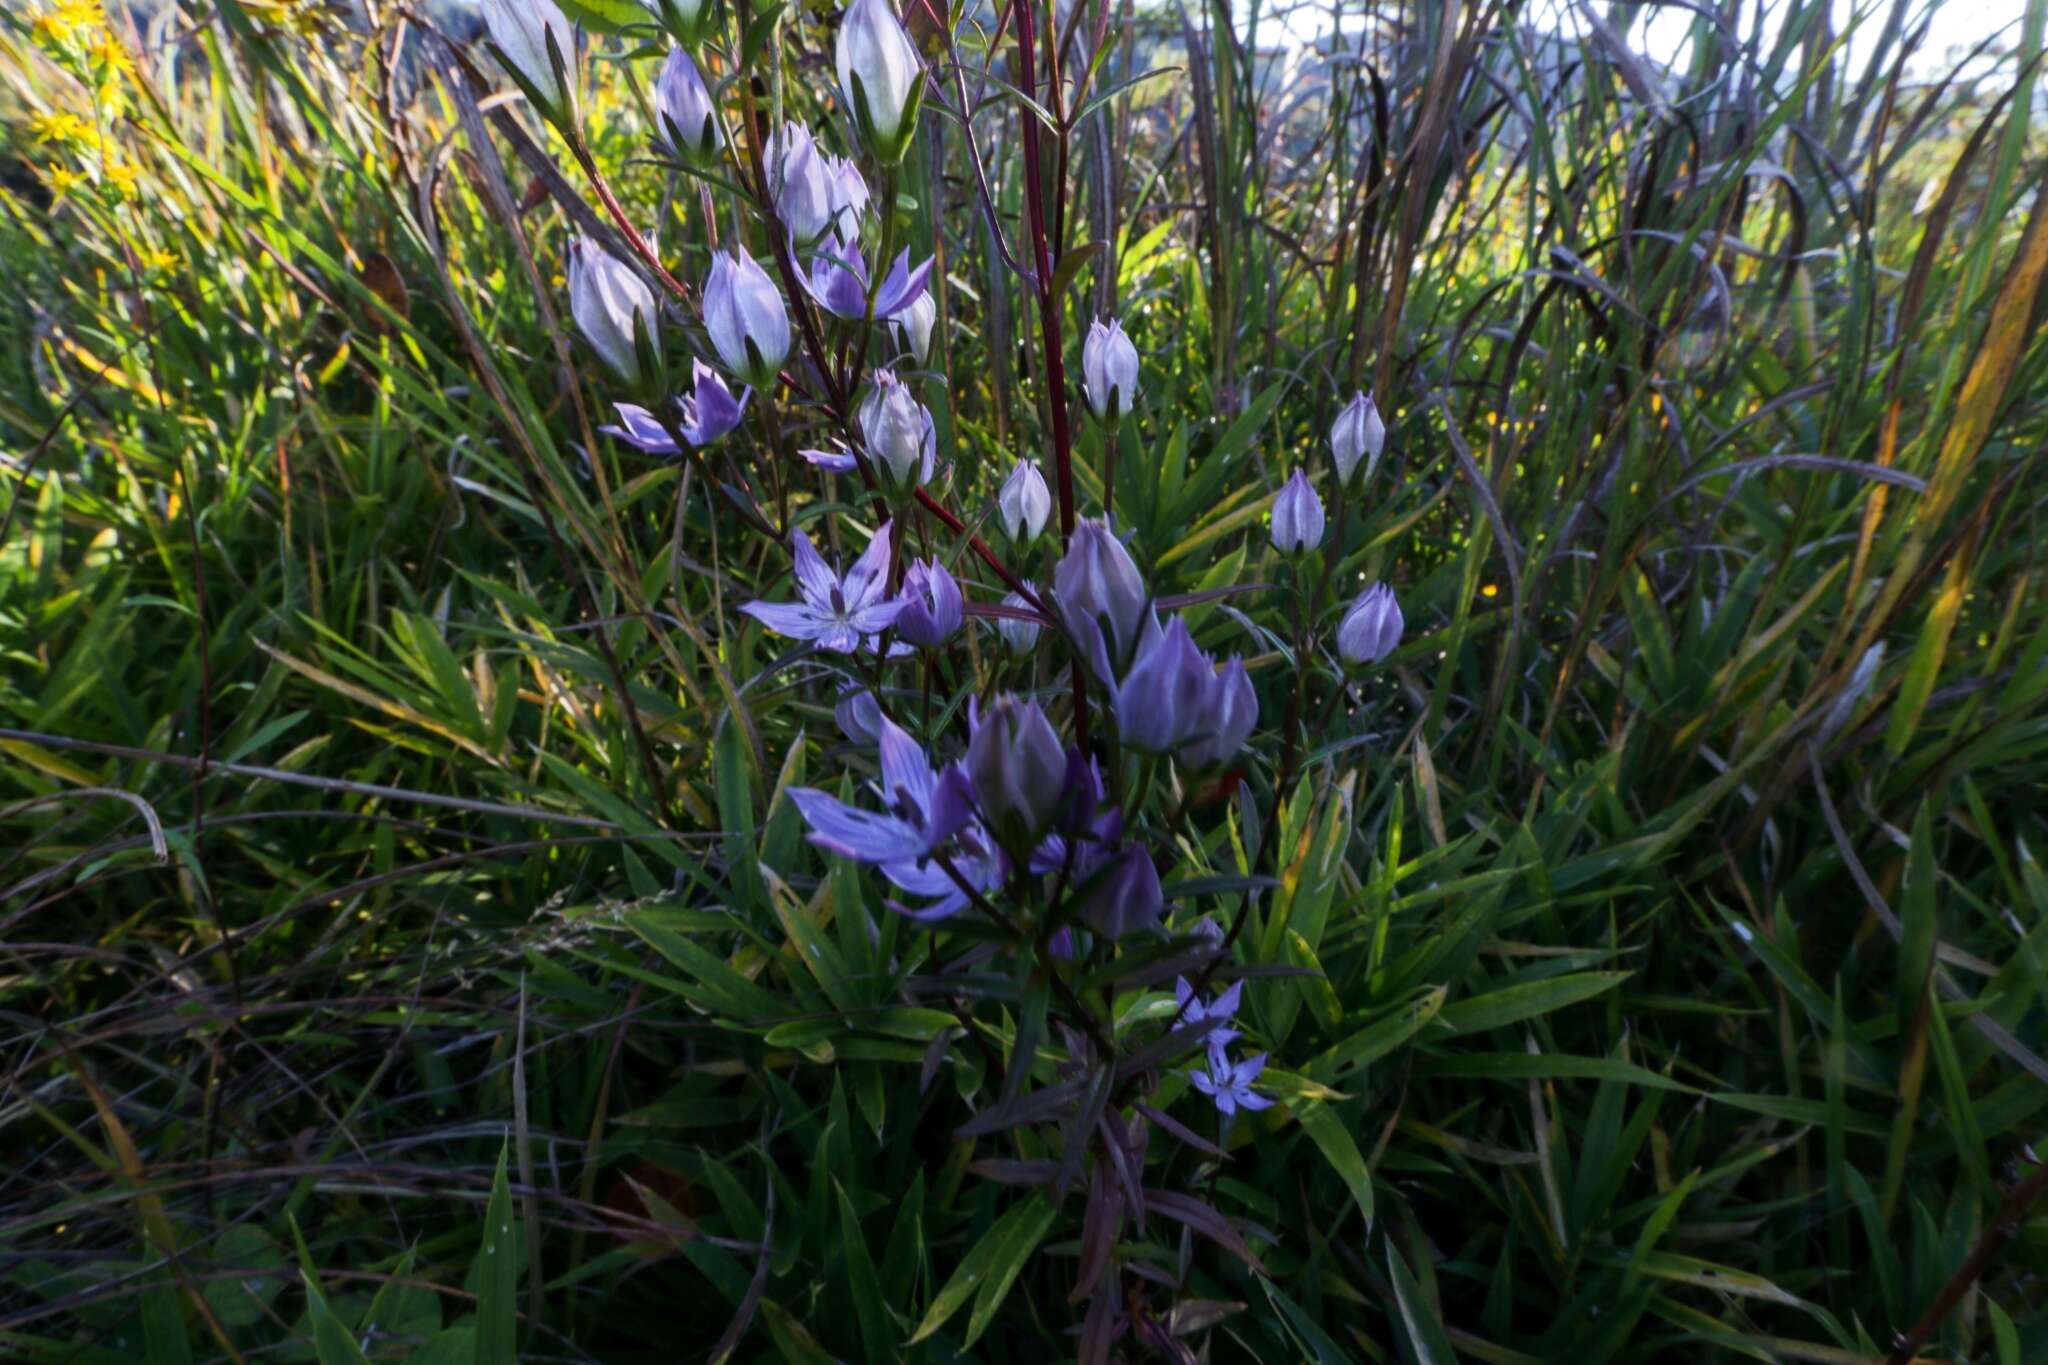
(1125, 897)
(1371, 627)
(743, 312)
(898, 432)
(1019, 637)
(849, 198)
(913, 325)
(1229, 710)
(932, 605)
(689, 118)
(1024, 503)
(614, 309)
(687, 21)
(800, 180)
(1109, 371)
(537, 47)
(880, 76)
(859, 715)
(1019, 771)
(1097, 579)
(1358, 434)
(1297, 517)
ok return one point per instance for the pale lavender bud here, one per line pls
(1229, 711)
(1371, 627)
(1019, 637)
(1019, 770)
(1024, 504)
(898, 432)
(1109, 371)
(536, 45)
(1126, 897)
(881, 76)
(1297, 517)
(1097, 578)
(800, 180)
(849, 197)
(683, 104)
(743, 312)
(913, 325)
(1358, 434)
(859, 715)
(613, 308)
(931, 604)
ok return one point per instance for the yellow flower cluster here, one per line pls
(67, 17)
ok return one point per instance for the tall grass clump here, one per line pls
(742, 681)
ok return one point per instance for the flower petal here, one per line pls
(640, 429)
(868, 579)
(863, 836)
(902, 286)
(792, 619)
(814, 578)
(831, 461)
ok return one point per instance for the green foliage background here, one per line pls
(388, 796)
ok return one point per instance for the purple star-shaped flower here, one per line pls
(836, 612)
(925, 807)
(1215, 1013)
(708, 412)
(1230, 1083)
(839, 282)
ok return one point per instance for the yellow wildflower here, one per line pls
(123, 175)
(62, 179)
(60, 125)
(109, 53)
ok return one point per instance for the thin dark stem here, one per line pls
(1048, 302)
(2018, 1201)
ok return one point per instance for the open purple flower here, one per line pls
(708, 413)
(926, 806)
(838, 613)
(1215, 1013)
(839, 282)
(1230, 1083)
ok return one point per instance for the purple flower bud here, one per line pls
(687, 21)
(1109, 371)
(898, 432)
(1125, 896)
(1161, 702)
(1097, 579)
(613, 308)
(535, 44)
(1019, 771)
(800, 182)
(1019, 637)
(1358, 433)
(913, 325)
(743, 312)
(689, 118)
(849, 193)
(1229, 711)
(1371, 627)
(931, 604)
(881, 76)
(1025, 503)
(859, 714)
(1297, 517)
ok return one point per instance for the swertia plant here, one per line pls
(1063, 846)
